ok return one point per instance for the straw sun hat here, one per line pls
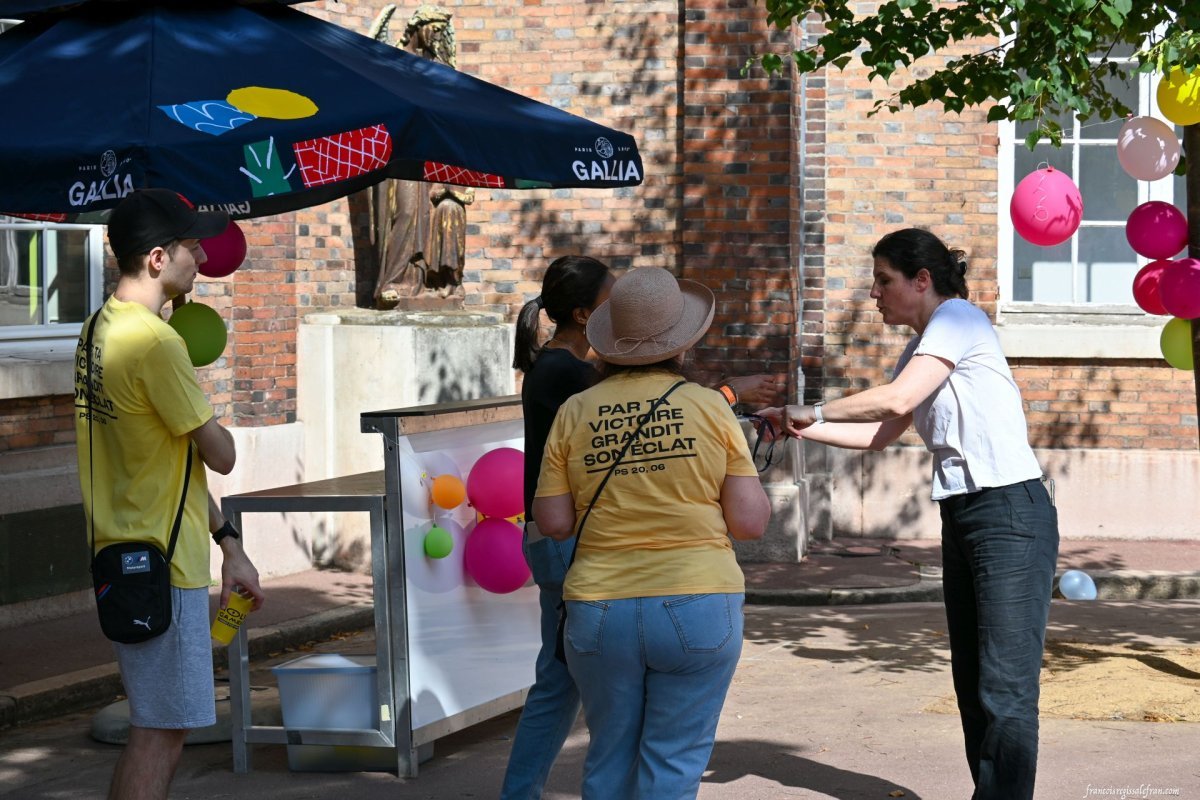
(649, 316)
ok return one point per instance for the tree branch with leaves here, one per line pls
(1030, 60)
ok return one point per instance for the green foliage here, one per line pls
(1030, 60)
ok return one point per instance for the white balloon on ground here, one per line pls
(1077, 585)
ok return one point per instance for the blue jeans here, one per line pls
(999, 548)
(553, 701)
(653, 673)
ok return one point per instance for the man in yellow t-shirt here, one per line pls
(142, 416)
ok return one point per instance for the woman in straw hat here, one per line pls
(653, 476)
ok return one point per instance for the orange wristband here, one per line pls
(728, 393)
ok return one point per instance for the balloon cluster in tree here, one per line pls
(1046, 210)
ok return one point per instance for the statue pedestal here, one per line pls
(355, 360)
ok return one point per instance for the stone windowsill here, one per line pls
(36, 369)
(1101, 332)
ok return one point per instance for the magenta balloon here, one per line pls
(496, 484)
(493, 556)
(226, 251)
(1046, 207)
(1179, 287)
(1147, 148)
(1157, 230)
(1145, 286)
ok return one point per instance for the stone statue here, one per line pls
(420, 234)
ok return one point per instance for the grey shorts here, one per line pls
(169, 679)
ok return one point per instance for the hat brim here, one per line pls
(699, 304)
(207, 225)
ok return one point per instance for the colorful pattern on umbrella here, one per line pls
(460, 176)
(213, 117)
(344, 155)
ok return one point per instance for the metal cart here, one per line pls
(418, 702)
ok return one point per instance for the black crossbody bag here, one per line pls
(132, 579)
(560, 647)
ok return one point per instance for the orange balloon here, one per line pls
(448, 491)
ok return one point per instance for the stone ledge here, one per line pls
(95, 686)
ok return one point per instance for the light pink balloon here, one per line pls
(1147, 148)
(1145, 286)
(1156, 230)
(1046, 207)
(493, 556)
(1179, 287)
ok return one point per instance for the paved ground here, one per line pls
(832, 698)
(828, 702)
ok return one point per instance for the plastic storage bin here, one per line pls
(330, 691)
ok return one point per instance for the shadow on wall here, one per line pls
(451, 377)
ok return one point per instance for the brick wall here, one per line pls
(715, 202)
(37, 422)
(737, 189)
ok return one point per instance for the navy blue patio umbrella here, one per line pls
(258, 108)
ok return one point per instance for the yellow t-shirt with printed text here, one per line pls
(657, 528)
(146, 402)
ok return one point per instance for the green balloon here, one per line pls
(203, 332)
(438, 542)
(1176, 343)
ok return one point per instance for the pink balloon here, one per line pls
(496, 484)
(1046, 207)
(1179, 287)
(226, 251)
(493, 556)
(1145, 286)
(1156, 230)
(1147, 148)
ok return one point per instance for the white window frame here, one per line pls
(35, 359)
(1084, 330)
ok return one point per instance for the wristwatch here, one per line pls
(226, 530)
(817, 411)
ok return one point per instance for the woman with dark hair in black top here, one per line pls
(572, 287)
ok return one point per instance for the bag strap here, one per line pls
(187, 470)
(616, 461)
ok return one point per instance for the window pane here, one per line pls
(1109, 193)
(1107, 266)
(1119, 50)
(1042, 274)
(20, 295)
(1127, 93)
(1026, 162)
(67, 276)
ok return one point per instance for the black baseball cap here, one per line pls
(150, 218)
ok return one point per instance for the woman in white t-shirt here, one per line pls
(999, 529)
